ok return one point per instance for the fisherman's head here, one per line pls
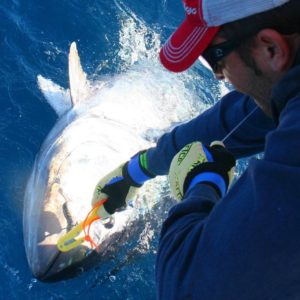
(250, 43)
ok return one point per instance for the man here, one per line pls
(243, 243)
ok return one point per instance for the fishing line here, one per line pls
(238, 125)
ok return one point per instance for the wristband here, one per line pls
(135, 171)
(209, 177)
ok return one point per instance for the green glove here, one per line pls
(121, 184)
(196, 163)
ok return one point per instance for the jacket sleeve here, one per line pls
(178, 245)
(215, 124)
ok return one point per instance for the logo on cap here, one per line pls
(190, 10)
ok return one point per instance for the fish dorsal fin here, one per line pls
(78, 82)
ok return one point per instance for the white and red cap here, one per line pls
(202, 22)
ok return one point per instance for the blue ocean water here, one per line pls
(34, 39)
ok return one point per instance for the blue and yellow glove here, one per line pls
(196, 163)
(121, 185)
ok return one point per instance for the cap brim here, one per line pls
(185, 45)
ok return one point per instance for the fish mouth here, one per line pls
(46, 261)
(53, 265)
(45, 258)
(63, 265)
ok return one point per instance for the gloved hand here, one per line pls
(197, 163)
(121, 184)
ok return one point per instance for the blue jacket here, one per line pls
(246, 245)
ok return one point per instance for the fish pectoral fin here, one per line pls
(57, 97)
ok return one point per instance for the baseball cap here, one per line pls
(203, 20)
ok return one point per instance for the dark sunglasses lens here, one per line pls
(210, 59)
(215, 53)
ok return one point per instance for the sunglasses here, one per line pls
(214, 54)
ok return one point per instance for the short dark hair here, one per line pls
(285, 19)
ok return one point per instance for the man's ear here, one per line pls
(274, 49)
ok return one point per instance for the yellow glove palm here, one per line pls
(196, 163)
